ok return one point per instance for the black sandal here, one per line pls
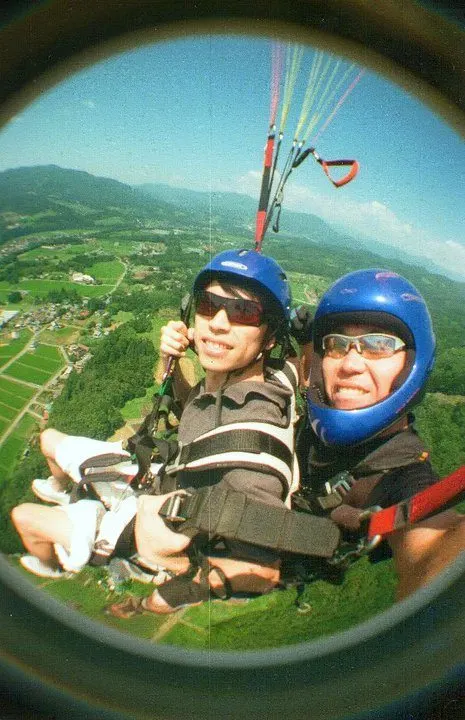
(182, 592)
(127, 608)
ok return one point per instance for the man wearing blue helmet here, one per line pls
(373, 350)
(235, 435)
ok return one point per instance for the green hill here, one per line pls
(42, 198)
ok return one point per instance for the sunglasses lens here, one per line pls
(245, 312)
(335, 346)
(377, 346)
(205, 305)
(372, 346)
(238, 310)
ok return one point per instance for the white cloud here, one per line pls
(88, 103)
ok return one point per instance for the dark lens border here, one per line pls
(407, 662)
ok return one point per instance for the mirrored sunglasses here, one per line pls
(372, 346)
(238, 310)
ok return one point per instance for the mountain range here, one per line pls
(48, 197)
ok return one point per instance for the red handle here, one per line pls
(352, 164)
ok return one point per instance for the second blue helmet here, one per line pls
(386, 299)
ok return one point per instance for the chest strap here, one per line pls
(251, 445)
(220, 512)
(237, 440)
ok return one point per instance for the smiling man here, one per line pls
(236, 434)
(374, 349)
(351, 379)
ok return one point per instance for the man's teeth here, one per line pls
(350, 391)
(215, 346)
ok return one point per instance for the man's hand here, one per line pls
(175, 338)
(155, 542)
(302, 324)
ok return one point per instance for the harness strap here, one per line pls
(237, 440)
(440, 496)
(232, 515)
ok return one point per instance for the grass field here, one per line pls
(266, 622)
(14, 394)
(61, 336)
(13, 447)
(107, 272)
(7, 412)
(13, 347)
(139, 407)
(306, 288)
(37, 366)
(39, 288)
(61, 252)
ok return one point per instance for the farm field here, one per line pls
(13, 447)
(307, 288)
(37, 366)
(13, 347)
(18, 386)
(39, 288)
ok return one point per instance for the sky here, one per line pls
(194, 113)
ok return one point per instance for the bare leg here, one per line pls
(49, 439)
(40, 528)
(243, 576)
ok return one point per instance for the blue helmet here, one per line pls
(260, 273)
(387, 300)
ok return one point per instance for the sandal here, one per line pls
(128, 608)
(180, 592)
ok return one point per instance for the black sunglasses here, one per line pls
(238, 310)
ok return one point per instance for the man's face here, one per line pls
(352, 382)
(222, 345)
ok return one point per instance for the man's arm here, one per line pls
(157, 544)
(175, 338)
(423, 550)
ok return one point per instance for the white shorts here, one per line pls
(74, 450)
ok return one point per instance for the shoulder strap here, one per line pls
(236, 440)
(288, 376)
(399, 450)
(259, 445)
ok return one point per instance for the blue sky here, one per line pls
(194, 113)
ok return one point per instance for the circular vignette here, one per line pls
(397, 664)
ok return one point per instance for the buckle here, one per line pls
(352, 551)
(335, 491)
(171, 509)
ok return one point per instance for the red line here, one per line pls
(338, 105)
